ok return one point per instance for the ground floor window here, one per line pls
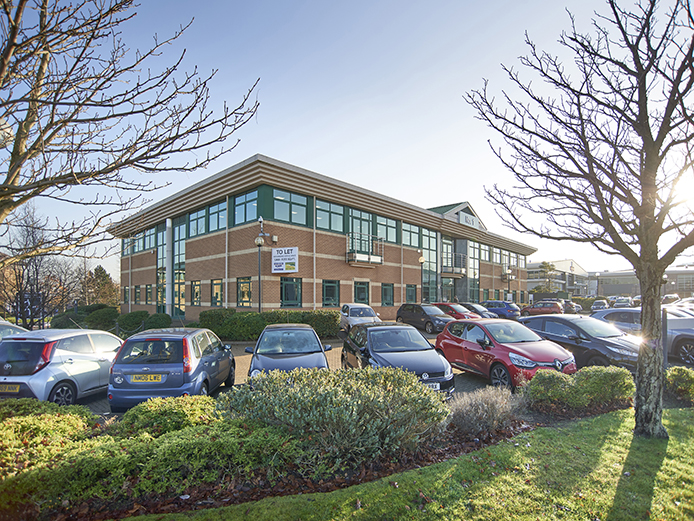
(216, 293)
(496, 294)
(411, 293)
(195, 299)
(290, 292)
(331, 293)
(361, 292)
(243, 292)
(387, 292)
(485, 295)
(148, 294)
(126, 294)
(179, 294)
(137, 294)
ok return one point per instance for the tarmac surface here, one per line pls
(464, 382)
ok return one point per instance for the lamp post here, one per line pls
(597, 277)
(421, 275)
(259, 242)
(509, 278)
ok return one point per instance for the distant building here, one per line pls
(568, 277)
(680, 280)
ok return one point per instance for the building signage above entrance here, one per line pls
(285, 260)
(469, 220)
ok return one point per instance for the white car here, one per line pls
(7, 329)
(351, 314)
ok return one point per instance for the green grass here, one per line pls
(592, 469)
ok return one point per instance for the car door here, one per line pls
(353, 348)
(478, 358)
(452, 343)
(208, 359)
(81, 362)
(106, 347)
(222, 356)
(569, 337)
(627, 321)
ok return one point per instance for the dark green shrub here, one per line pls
(214, 318)
(92, 308)
(547, 388)
(243, 326)
(132, 322)
(484, 410)
(69, 320)
(679, 381)
(344, 417)
(158, 321)
(158, 416)
(29, 406)
(103, 318)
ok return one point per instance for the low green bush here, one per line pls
(344, 417)
(29, 406)
(214, 319)
(92, 308)
(679, 382)
(132, 322)
(242, 326)
(158, 321)
(159, 416)
(484, 410)
(103, 318)
(69, 320)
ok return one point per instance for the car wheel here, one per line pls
(429, 327)
(229, 382)
(203, 389)
(685, 351)
(500, 376)
(599, 361)
(63, 394)
(525, 314)
(399, 319)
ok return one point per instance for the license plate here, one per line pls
(140, 378)
(9, 388)
(434, 385)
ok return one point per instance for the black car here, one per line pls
(479, 309)
(286, 347)
(592, 341)
(424, 316)
(389, 344)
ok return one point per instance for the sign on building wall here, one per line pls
(285, 260)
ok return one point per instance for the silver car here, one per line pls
(58, 365)
(351, 314)
(7, 329)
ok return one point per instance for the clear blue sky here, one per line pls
(369, 92)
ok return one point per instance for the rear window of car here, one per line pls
(151, 352)
(19, 358)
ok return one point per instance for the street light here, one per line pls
(509, 277)
(597, 276)
(259, 242)
(421, 275)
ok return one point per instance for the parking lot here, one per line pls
(464, 382)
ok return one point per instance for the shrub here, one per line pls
(132, 322)
(546, 388)
(158, 321)
(29, 406)
(158, 416)
(69, 320)
(214, 318)
(103, 318)
(484, 410)
(243, 326)
(92, 308)
(344, 417)
(679, 382)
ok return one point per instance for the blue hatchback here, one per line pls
(160, 363)
(503, 309)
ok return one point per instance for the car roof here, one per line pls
(169, 331)
(49, 335)
(355, 305)
(288, 326)
(567, 318)
(385, 325)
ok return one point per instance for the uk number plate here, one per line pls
(9, 388)
(433, 385)
(144, 378)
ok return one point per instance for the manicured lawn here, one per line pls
(592, 469)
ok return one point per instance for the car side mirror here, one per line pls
(227, 347)
(249, 349)
(327, 347)
(484, 343)
(378, 314)
(575, 338)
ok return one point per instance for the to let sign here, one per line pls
(285, 260)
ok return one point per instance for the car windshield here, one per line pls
(478, 308)
(288, 342)
(600, 303)
(151, 351)
(362, 312)
(513, 306)
(599, 329)
(509, 332)
(398, 339)
(459, 308)
(432, 310)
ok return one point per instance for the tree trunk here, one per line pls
(649, 375)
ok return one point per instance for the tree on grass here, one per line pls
(80, 114)
(601, 148)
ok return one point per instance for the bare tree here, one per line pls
(599, 148)
(79, 109)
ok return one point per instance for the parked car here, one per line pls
(285, 347)
(599, 304)
(680, 332)
(670, 298)
(479, 309)
(570, 307)
(623, 302)
(7, 329)
(504, 351)
(577, 307)
(636, 301)
(57, 365)
(351, 314)
(391, 344)
(502, 309)
(543, 307)
(592, 341)
(456, 310)
(160, 363)
(424, 316)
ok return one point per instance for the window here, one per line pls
(521, 261)
(496, 255)
(246, 207)
(289, 207)
(360, 226)
(148, 294)
(216, 293)
(485, 294)
(387, 229)
(243, 292)
(138, 243)
(410, 235)
(125, 245)
(484, 252)
(361, 292)
(505, 259)
(330, 216)
(496, 294)
(196, 223)
(411, 293)
(217, 219)
(331, 293)
(126, 294)
(137, 295)
(290, 292)
(195, 299)
(387, 292)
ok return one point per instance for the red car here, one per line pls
(544, 307)
(504, 351)
(456, 310)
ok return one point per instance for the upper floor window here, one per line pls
(289, 207)
(484, 252)
(496, 255)
(151, 239)
(196, 223)
(246, 207)
(387, 229)
(410, 235)
(218, 216)
(330, 216)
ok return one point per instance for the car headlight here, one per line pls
(521, 361)
(255, 372)
(624, 352)
(448, 371)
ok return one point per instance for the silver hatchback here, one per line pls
(58, 365)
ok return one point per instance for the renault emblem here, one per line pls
(557, 364)
(425, 376)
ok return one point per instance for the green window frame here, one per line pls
(126, 294)
(330, 216)
(151, 239)
(496, 295)
(216, 294)
(246, 207)
(290, 292)
(217, 217)
(361, 292)
(410, 235)
(243, 292)
(485, 295)
(387, 229)
(484, 252)
(411, 293)
(387, 294)
(148, 294)
(195, 293)
(136, 298)
(290, 207)
(197, 223)
(331, 293)
(496, 255)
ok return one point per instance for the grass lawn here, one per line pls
(592, 469)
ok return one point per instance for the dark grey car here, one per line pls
(424, 316)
